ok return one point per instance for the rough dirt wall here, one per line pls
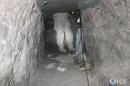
(21, 28)
(107, 32)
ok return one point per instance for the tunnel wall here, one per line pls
(107, 37)
(21, 30)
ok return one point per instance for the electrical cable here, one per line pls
(84, 51)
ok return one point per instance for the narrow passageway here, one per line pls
(64, 42)
(62, 46)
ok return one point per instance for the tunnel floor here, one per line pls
(59, 71)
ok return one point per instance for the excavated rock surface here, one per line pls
(21, 28)
(107, 34)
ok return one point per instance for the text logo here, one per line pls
(118, 81)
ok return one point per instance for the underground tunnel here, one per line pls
(64, 43)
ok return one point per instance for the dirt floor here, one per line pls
(60, 71)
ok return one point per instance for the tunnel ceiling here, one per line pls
(54, 6)
(59, 5)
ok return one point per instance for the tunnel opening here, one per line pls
(51, 45)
